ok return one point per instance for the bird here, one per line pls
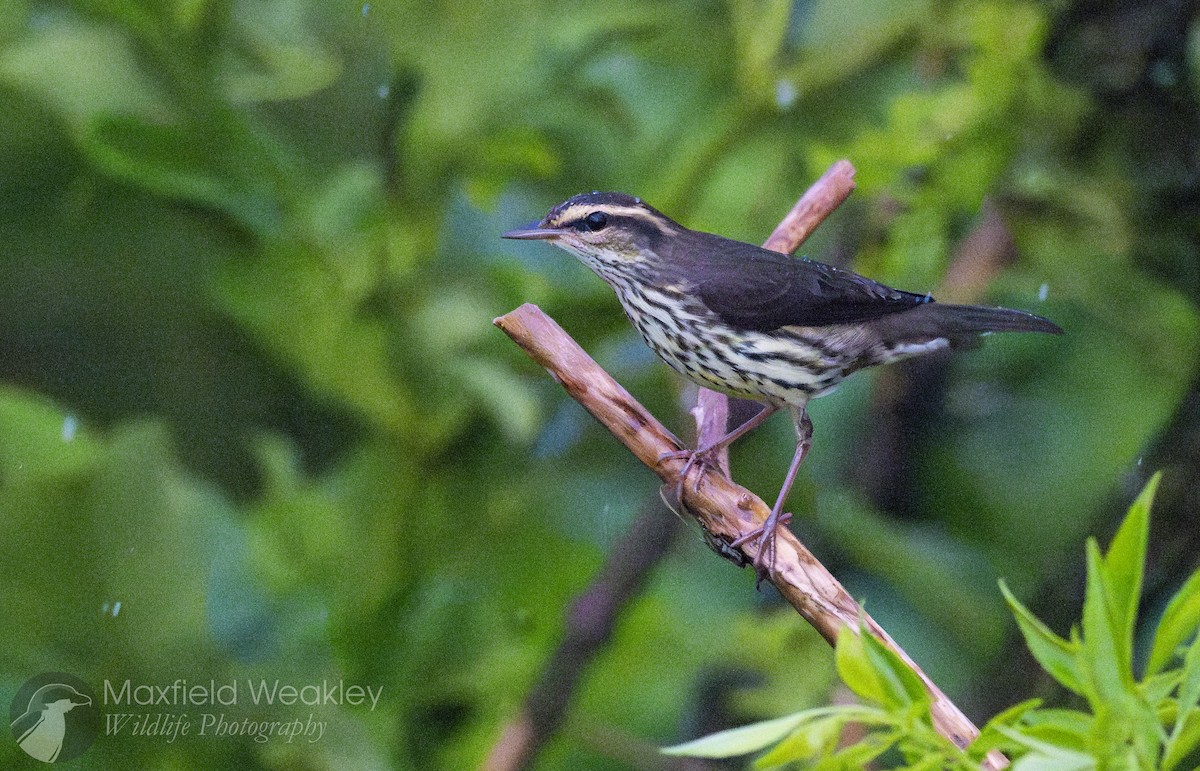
(753, 323)
(41, 729)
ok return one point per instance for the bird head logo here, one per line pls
(40, 723)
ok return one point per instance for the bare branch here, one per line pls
(826, 194)
(722, 507)
(712, 421)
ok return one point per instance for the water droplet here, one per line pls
(1140, 461)
(1163, 74)
(366, 9)
(116, 608)
(1043, 292)
(785, 94)
(69, 426)
(384, 90)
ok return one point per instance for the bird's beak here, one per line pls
(533, 231)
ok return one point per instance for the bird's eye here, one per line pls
(597, 220)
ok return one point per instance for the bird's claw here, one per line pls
(764, 566)
(695, 458)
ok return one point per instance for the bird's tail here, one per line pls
(981, 318)
(960, 324)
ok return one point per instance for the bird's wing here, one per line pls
(761, 290)
(26, 724)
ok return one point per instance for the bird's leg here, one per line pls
(766, 534)
(701, 455)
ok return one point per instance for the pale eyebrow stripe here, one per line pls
(581, 210)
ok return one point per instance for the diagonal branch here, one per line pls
(722, 508)
(594, 613)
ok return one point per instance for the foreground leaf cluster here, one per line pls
(1151, 722)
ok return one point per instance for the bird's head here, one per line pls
(605, 230)
(58, 697)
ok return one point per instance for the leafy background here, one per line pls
(252, 393)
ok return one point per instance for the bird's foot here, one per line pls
(700, 459)
(765, 536)
(707, 454)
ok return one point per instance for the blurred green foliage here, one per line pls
(252, 391)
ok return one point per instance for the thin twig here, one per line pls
(826, 194)
(589, 624)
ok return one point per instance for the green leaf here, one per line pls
(1056, 655)
(1123, 567)
(292, 302)
(934, 761)
(854, 667)
(1013, 714)
(1065, 728)
(819, 737)
(877, 674)
(1126, 733)
(1184, 741)
(174, 161)
(1189, 689)
(760, 30)
(1044, 756)
(1155, 688)
(82, 71)
(1040, 761)
(990, 736)
(506, 397)
(286, 71)
(741, 741)
(756, 736)
(1178, 623)
(871, 746)
(1185, 735)
(1104, 659)
(902, 685)
(38, 438)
